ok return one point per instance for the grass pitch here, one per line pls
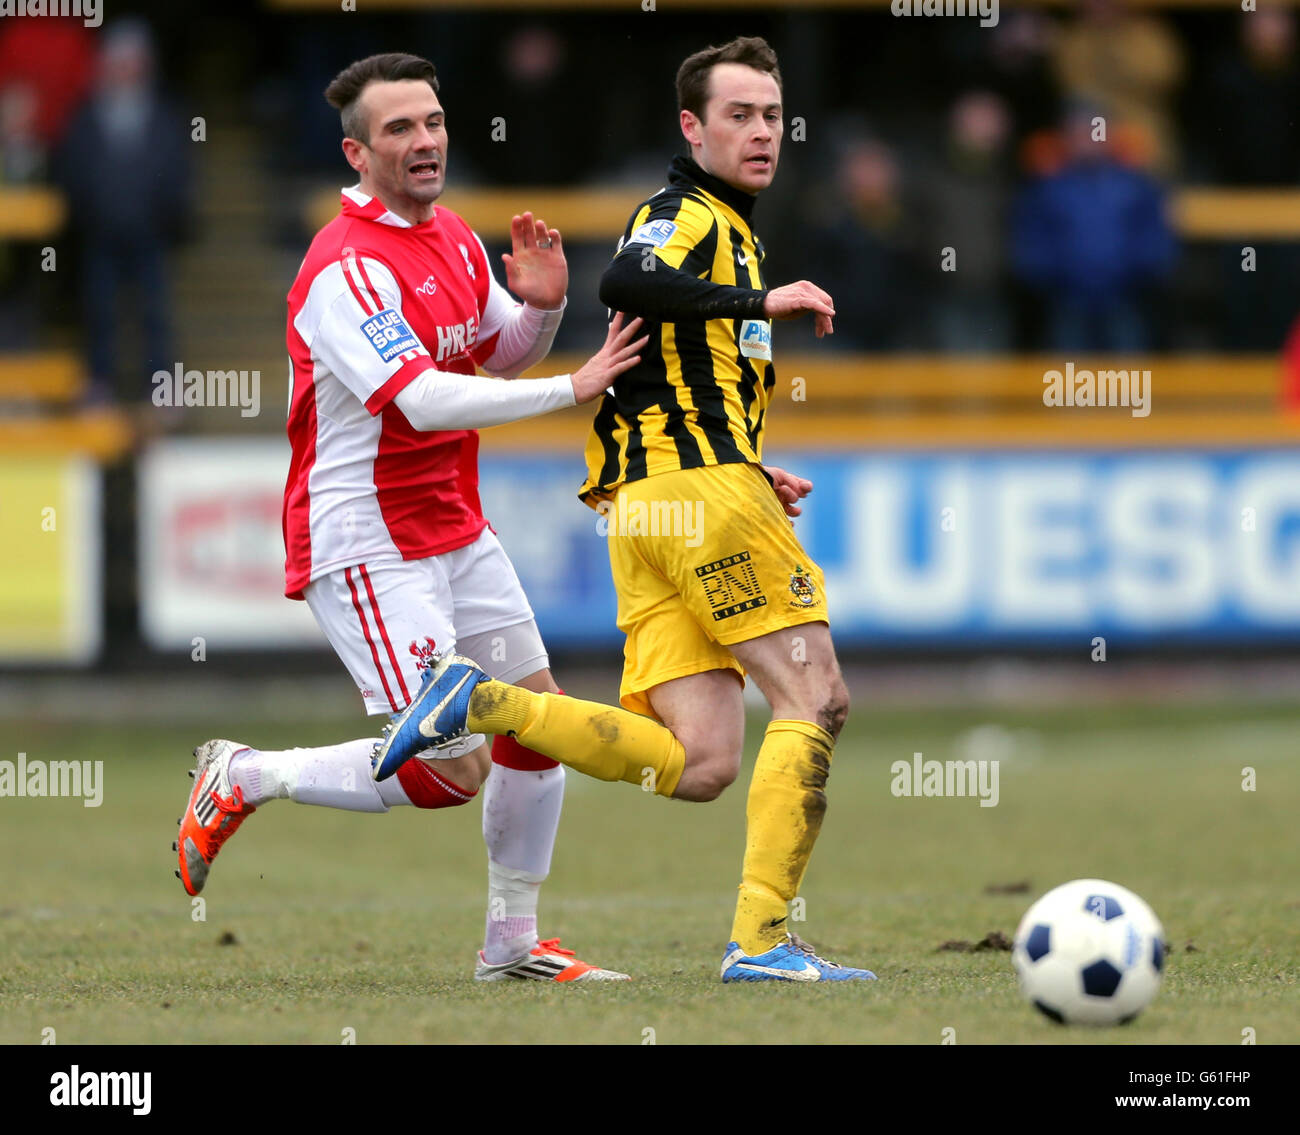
(319, 922)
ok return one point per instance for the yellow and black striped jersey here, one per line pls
(690, 266)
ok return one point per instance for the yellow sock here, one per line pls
(600, 740)
(787, 800)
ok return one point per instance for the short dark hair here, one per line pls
(693, 74)
(344, 93)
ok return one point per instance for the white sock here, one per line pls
(333, 776)
(521, 815)
(512, 913)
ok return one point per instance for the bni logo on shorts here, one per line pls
(731, 585)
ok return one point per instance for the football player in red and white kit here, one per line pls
(393, 306)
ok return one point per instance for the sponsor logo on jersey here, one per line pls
(731, 586)
(653, 232)
(427, 288)
(456, 339)
(756, 339)
(389, 335)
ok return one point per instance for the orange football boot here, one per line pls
(213, 814)
(547, 961)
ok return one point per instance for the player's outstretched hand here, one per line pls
(789, 488)
(617, 355)
(536, 270)
(793, 300)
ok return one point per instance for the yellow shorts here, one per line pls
(703, 558)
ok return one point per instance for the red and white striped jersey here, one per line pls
(377, 302)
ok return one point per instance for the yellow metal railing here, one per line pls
(882, 401)
(599, 213)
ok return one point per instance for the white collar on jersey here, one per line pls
(387, 217)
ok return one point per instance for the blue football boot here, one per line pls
(437, 714)
(792, 960)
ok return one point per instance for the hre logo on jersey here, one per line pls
(456, 339)
(425, 654)
(389, 335)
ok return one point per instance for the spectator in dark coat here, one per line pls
(1253, 114)
(964, 200)
(1254, 137)
(859, 242)
(124, 166)
(1091, 238)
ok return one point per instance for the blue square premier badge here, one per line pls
(653, 232)
(389, 335)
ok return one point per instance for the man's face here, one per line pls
(405, 162)
(740, 138)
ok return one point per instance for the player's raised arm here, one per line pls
(536, 270)
(363, 338)
(521, 334)
(438, 400)
(795, 300)
(648, 277)
(669, 295)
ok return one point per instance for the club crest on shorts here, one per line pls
(801, 587)
(425, 653)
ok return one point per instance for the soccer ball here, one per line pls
(1089, 953)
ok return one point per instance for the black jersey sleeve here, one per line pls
(668, 294)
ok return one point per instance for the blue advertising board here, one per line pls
(978, 549)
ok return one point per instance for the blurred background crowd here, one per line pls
(1101, 183)
(1057, 137)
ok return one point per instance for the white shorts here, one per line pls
(385, 621)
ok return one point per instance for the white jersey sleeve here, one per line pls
(361, 336)
(362, 339)
(436, 400)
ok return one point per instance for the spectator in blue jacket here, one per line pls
(1091, 239)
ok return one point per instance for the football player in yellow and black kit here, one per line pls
(711, 579)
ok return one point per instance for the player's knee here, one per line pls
(708, 785)
(712, 775)
(834, 709)
(713, 784)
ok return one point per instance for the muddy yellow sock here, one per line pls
(600, 740)
(787, 800)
